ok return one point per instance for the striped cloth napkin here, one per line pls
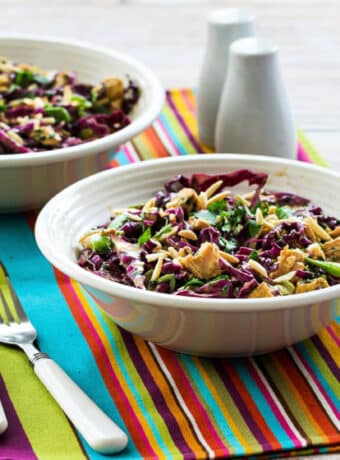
(171, 405)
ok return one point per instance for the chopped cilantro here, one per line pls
(283, 212)
(163, 231)
(254, 255)
(217, 206)
(42, 80)
(228, 245)
(253, 228)
(206, 215)
(145, 236)
(118, 221)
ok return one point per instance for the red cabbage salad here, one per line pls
(44, 110)
(196, 238)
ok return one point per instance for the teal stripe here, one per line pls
(122, 158)
(262, 404)
(326, 386)
(130, 383)
(59, 336)
(214, 408)
(173, 134)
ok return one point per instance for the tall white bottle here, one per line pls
(255, 115)
(224, 27)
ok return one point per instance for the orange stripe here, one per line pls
(154, 143)
(251, 406)
(223, 407)
(170, 361)
(165, 389)
(305, 397)
(107, 376)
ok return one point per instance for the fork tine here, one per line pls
(9, 316)
(17, 305)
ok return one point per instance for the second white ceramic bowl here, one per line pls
(29, 180)
(211, 327)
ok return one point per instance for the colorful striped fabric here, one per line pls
(172, 406)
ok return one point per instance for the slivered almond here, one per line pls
(158, 269)
(213, 187)
(172, 252)
(336, 232)
(172, 218)
(134, 217)
(241, 199)
(202, 200)
(257, 267)
(248, 196)
(184, 251)
(198, 223)
(228, 257)
(272, 209)
(15, 137)
(188, 234)
(259, 217)
(67, 95)
(317, 229)
(218, 197)
(286, 277)
(154, 256)
(149, 205)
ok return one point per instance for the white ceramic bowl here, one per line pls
(29, 180)
(213, 327)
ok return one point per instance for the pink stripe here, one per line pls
(128, 153)
(187, 101)
(185, 383)
(317, 383)
(334, 336)
(166, 134)
(302, 155)
(109, 367)
(273, 405)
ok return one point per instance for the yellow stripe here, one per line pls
(180, 134)
(227, 407)
(187, 115)
(94, 321)
(330, 345)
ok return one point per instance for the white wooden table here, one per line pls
(169, 35)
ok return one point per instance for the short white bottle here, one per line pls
(255, 115)
(224, 27)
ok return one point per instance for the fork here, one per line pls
(100, 432)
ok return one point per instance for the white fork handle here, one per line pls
(97, 428)
(3, 420)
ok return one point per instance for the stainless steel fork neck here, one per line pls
(32, 352)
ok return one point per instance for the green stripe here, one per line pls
(133, 380)
(178, 130)
(142, 148)
(312, 152)
(321, 365)
(210, 374)
(35, 403)
(271, 366)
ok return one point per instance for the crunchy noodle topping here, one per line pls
(196, 238)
